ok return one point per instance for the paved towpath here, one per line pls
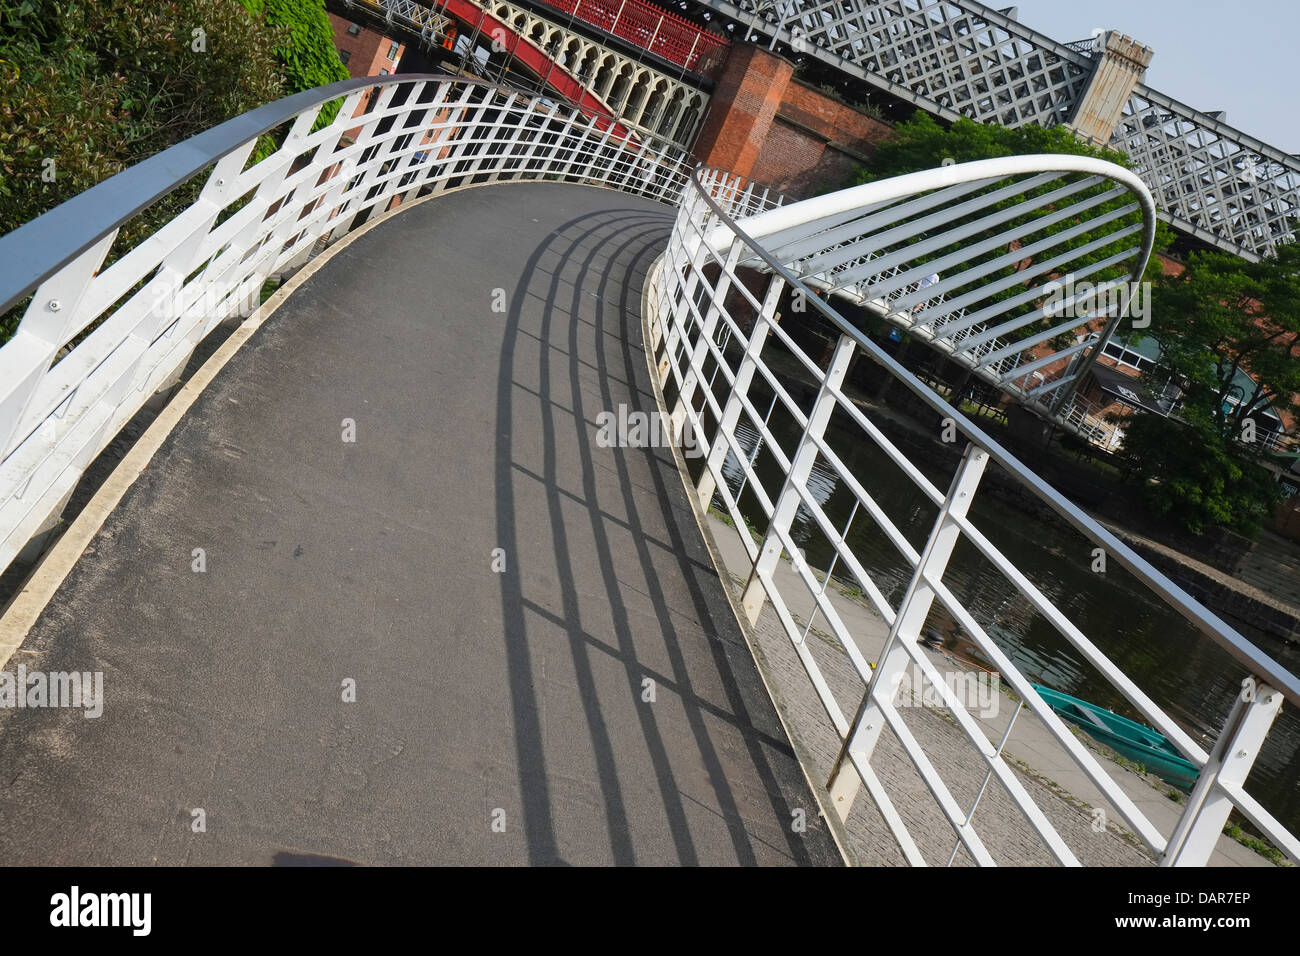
(594, 702)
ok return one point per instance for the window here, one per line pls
(383, 72)
(392, 50)
(344, 55)
(353, 29)
(1128, 357)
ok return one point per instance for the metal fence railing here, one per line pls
(715, 300)
(105, 328)
(108, 327)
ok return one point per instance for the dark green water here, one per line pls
(1187, 674)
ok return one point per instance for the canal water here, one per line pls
(1188, 675)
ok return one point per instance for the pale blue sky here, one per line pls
(1242, 57)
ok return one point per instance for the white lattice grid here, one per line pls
(953, 59)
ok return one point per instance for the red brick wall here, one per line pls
(744, 103)
(822, 116)
(764, 124)
(788, 159)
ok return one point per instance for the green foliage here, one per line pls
(922, 143)
(1197, 476)
(1221, 318)
(88, 88)
(1225, 316)
(307, 50)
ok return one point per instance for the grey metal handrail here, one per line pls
(101, 335)
(38, 249)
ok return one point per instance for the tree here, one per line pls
(1195, 477)
(1229, 330)
(306, 50)
(90, 87)
(1229, 336)
(921, 143)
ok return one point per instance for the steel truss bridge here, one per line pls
(106, 328)
(951, 58)
(960, 58)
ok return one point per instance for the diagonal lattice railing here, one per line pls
(559, 61)
(107, 327)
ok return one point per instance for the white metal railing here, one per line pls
(1084, 418)
(719, 274)
(97, 341)
(989, 262)
(101, 336)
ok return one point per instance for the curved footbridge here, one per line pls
(412, 569)
(581, 695)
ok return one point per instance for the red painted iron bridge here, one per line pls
(645, 25)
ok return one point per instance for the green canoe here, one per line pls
(1128, 738)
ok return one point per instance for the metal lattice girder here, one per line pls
(1018, 268)
(1209, 179)
(965, 59)
(952, 59)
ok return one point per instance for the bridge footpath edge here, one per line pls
(807, 763)
(45, 579)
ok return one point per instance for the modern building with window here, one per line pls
(1125, 380)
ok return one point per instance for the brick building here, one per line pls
(363, 51)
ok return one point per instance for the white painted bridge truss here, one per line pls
(1018, 269)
